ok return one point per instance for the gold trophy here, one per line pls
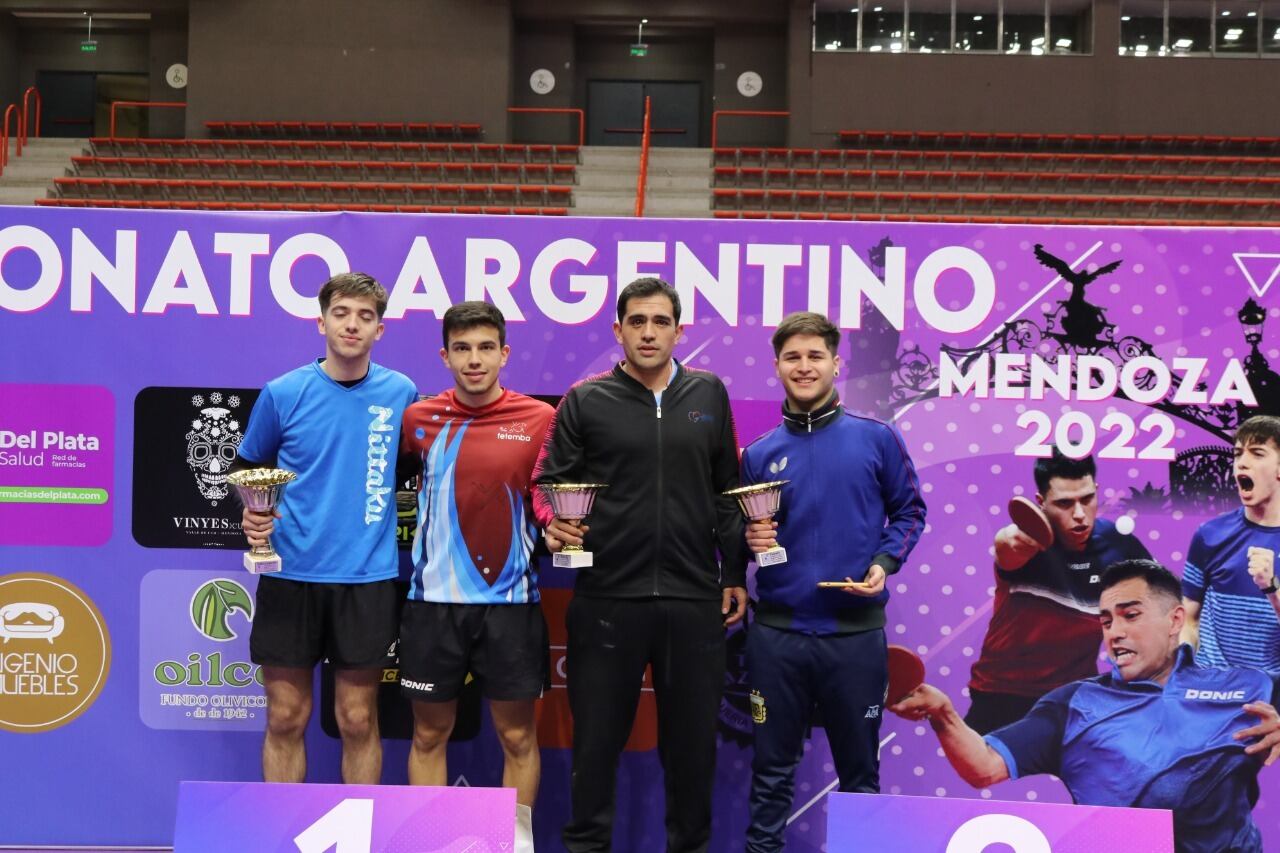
(571, 502)
(760, 502)
(261, 490)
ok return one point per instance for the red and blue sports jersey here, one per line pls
(476, 529)
(1140, 744)
(1044, 629)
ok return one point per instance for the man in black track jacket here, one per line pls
(669, 567)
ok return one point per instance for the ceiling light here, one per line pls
(1036, 42)
(977, 17)
(1124, 17)
(1062, 43)
(1183, 44)
(875, 48)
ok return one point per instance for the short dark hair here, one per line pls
(805, 323)
(1161, 581)
(1059, 464)
(355, 284)
(468, 315)
(642, 287)
(1259, 429)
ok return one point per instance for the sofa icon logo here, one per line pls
(31, 620)
(55, 652)
(213, 604)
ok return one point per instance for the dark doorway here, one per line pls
(615, 112)
(67, 103)
(77, 104)
(676, 69)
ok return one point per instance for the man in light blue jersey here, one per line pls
(1229, 585)
(336, 423)
(1159, 731)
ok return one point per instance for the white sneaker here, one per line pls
(524, 829)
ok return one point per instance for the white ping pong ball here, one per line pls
(1124, 525)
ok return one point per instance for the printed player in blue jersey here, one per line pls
(335, 423)
(1159, 732)
(1229, 585)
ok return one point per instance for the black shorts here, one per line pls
(504, 646)
(298, 623)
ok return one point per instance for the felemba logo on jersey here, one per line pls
(194, 670)
(185, 440)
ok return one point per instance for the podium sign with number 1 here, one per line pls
(252, 816)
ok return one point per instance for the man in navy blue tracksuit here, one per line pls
(851, 512)
(1159, 731)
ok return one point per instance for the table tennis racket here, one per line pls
(906, 673)
(1031, 520)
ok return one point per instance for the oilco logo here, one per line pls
(55, 652)
(213, 604)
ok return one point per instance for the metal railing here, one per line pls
(715, 117)
(11, 110)
(582, 118)
(642, 181)
(26, 115)
(143, 104)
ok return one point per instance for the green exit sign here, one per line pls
(639, 50)
(90, 46)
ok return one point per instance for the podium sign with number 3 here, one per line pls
(889, 824)
(251, 816)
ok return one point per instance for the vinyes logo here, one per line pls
(185, 440)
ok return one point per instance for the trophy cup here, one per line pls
(759, 503)
(572, 502)
(261, 490)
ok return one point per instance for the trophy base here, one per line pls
(571, 559)
(772, 557)
(261, 564)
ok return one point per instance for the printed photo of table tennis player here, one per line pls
(1049, 560)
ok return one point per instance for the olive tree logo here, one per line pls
(213, 604)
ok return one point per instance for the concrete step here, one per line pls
(30, 176)
(680, 157)
(21, 195)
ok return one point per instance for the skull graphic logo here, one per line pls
(212, 443)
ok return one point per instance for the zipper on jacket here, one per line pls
(657, 563)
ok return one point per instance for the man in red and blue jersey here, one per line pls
(1044, 623)
(473, 598)
(1160, 731)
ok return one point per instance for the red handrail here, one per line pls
(4, 134)
(582, 119)
(715, 116)
(642, 181)
(26, 124)
(115, 104)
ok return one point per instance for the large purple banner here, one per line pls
(134, 344)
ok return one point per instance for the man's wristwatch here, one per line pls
(1273, 588)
